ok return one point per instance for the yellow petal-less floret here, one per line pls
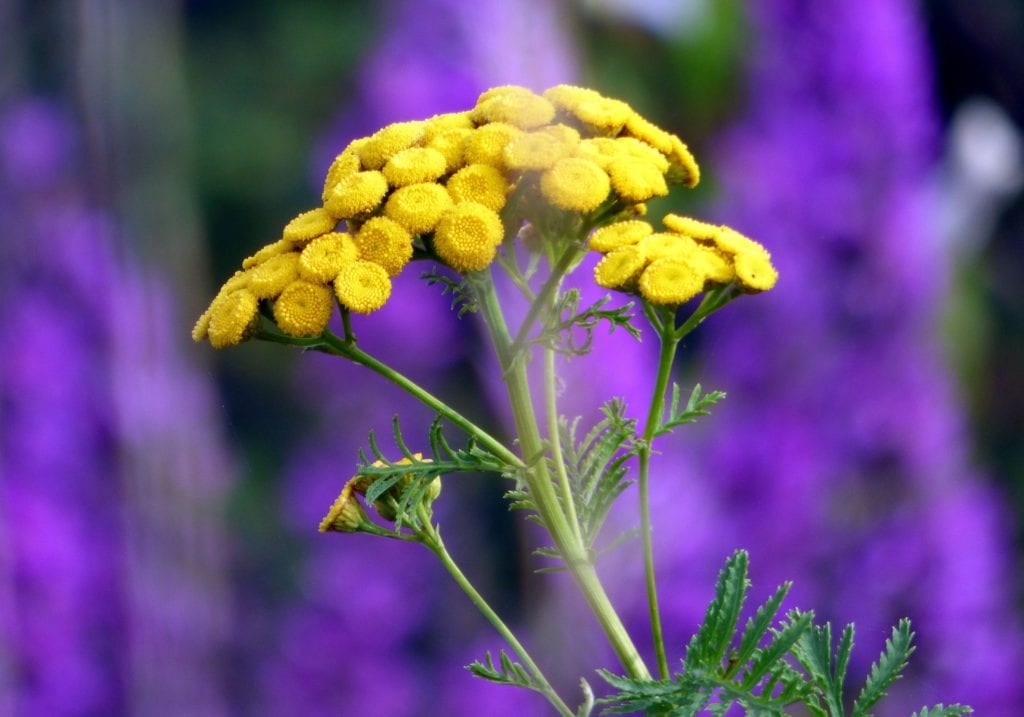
(323, 257)
(468, 236)
(357, 194)
(385, 242)
(731, 242)
(664, 245)
(386, 143)
(304, 308)
(670, 282)
(345, 164)
(451, 144)
(418, 207)
(439, 124)
(479, 183)
(486, 145)
(268, 279)
(536, 151)
(605, 115)
(636, 180)
(520, 109)
(620, 234)
(308, 225)
(620, 269)
(281, 246)
(632, 147)
(712, 264)
(231, 316)
(568, 97)
(684, 166)
(575, 184)
(362, 287)
(691, 227)
(754, 270)
(414, 165)
(646, 131)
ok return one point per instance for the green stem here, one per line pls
(432, 540)
(544, 296)
(555, 441)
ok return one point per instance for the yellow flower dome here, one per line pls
(486, 144)
(754, 270)
(712, 264)
(468, 236)
(414, 165)
(357, 194)
(442, 123)
(386, 242)
(386, 143)
(691, 227)
(632, 147)
(451, 144)
(323, 257)
(418, 207)
(599, 150)
(231, 316)
(362, 286)
(619, 269)
(731, 241)
(304, 308)
(479, 183)
(281, 246)
(308, 225)
(575, 184)
(670, 282)
(568, 97)
(636, 180)
(520, 108)
(269, 278)
(684, 166)
(644, 130)
(537, 150)
(345, 164)
(604, 115)
(615, 236)
(664, 245)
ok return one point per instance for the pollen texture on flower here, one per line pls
(468, 236)
(575, 184)
(303, 308)
(362, 286)
(385, 242)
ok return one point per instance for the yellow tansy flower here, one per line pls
(386, 143)
(451, 144)
(479, 183)
(486, 145)
(414, 165)
(362, 286)
(418, 207)
(619, 269)
(440, 124)
(323, 257)
(620, 234)
(684, 166)
(269, 278)
(663, 245)
(357, 194)
(670, 282)
(468, 236)
(632, 147)
(231, 316)
(569, 97)
(521, 109)
(536, 150)
(754, 270)
(345, 164)
(731, 241)
(605, 115)
(386, 242)
(304, 308)
(346, 515)
(308, 225)
(636, 180)
(281, 246)
(691, 227)
(644, 130)
(575, 184)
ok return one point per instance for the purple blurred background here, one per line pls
(159, 501)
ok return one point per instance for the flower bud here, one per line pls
(346, 515)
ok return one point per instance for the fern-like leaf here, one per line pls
(697, 405)
(887, 669)
(940, 710)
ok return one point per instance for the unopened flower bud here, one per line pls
(346, 515)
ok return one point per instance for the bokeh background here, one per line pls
(159, 500)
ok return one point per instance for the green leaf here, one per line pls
(696, 406)
(567, 320)
(507, 672)
(940, 710)
(887, 669)
(462, 296)
(709, 645)
(757, 627)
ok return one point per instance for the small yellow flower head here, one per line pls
(344, 165)
(684, 166)
(357, 194)
(440, 124)
(605, 115)
(323, 257)
(520, 108)
(670, 282)
(536, 150)
(308, 225)
(362, 286)
(231, 316)
(268, 279)
(281, 246)
(386, 242)
(486, 145)
(568, 97)
(599, 150)
(303, 309)
(386, 143)
(633, 147)
(468, 236)
(418, 207)
(712, 264)
(636, 180)
(620, 269)
(615, 236)
(646, 131)
(754, 270)
(346, 515)
(691, 227)
(413, 165)
(451, 144)
(479, 183)
(731, 242)
(575, 184)
(663, 245)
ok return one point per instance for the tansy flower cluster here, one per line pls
(671, 267)
(452, 188)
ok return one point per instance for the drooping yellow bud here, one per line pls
(636, 180)
(386, 143)
(346, 515)
(575, 184)
(486, 145)
(362, 286)
(231, 316)
(468, 236)
(323, 257)
(615, 236)
(303, 308)
(308, 225)
(268, 279)
(619, 269)
(357, 194)
(385, 242)
(418, 207)
(479, 183)
(414, 165)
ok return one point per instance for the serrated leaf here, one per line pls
(886, 670)
(757, 627)
(697, 405)
(940, 710)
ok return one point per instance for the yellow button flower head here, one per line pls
(684, 166)
(691, 227)
(568, 97)
(413, 165)
(308, 225)
(664, 245)
(754, 270)
(713, 264)
(615, 236)
(385, 242)
(599, 150)
(670, 282)
(619, 269)
(439, 124)
(357, 194)
(303, 309)
(732, 242)
(479, 183)
(575, 184)
(269, 278)
(281, 246)
(486, 145)
(345, 164)
(362, 286)
(468, 236)
(323, 257)
(632, 147)
(451, 144)
(231, 316)
(644, 130)
(636, 180)
(386, 143)
(537, 150)
(418, 207)
(605, 115)
(516, 106)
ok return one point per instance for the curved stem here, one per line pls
(547, 291)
